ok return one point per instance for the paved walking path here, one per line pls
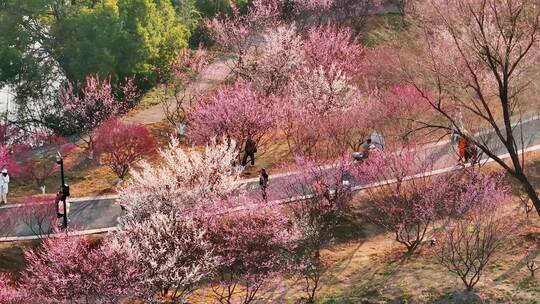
(214, 74)
(100, 214)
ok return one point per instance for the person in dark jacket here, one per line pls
(470, 153)
(249, 151)
(263, 182)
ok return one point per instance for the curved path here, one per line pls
(99, 214)
(214, 74)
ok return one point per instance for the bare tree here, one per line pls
(478, 63)
(180, 91)
(533, 266)
(8, 220)
(525, 203)
(39, 215)
(353, 13)
(469, 243)
(406, 7)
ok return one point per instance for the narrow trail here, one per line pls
(214, 74)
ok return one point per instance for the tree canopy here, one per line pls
(45, 42)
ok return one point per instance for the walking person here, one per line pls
(263, 182)
(462, 145)
(470, 153)
(454, 136)
(60, 207)
(4, 185)
(367, 147)
(249, 151)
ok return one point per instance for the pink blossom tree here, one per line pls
(120, 145)
(321, 90)
(333, 46)
(9, 292)
(71, 270)
(272, 65)
(236, 32)
(180, 90)
(9, 134)
(238, 112)
(323, 191)
(173, 254)
(378, 65)
(8, 220)
(345, 131)
(252, 247)
(7, 160)
(480, 71)
(39, 170)
(407, 199)
(324, 83)
(39, 157)
(395, 111)
(333, 135)
(96, 103)
(403, 205)
(474, 190)
(39, 214)
(301, 131)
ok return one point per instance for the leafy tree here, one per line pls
(151, 36)
(44, 43)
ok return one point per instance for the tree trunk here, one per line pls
(531, 192)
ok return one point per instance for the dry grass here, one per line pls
(372, 269)
(367, 266)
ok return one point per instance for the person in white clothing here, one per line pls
(4, 185)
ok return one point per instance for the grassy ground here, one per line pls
(368, 266)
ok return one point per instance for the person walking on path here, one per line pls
(59, 207)
(249, 151)
(462, 144)
(367, 147)
(4, 185)
(470, 153)
(263, 182)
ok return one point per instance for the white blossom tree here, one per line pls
(172, 253)
(182, 178)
